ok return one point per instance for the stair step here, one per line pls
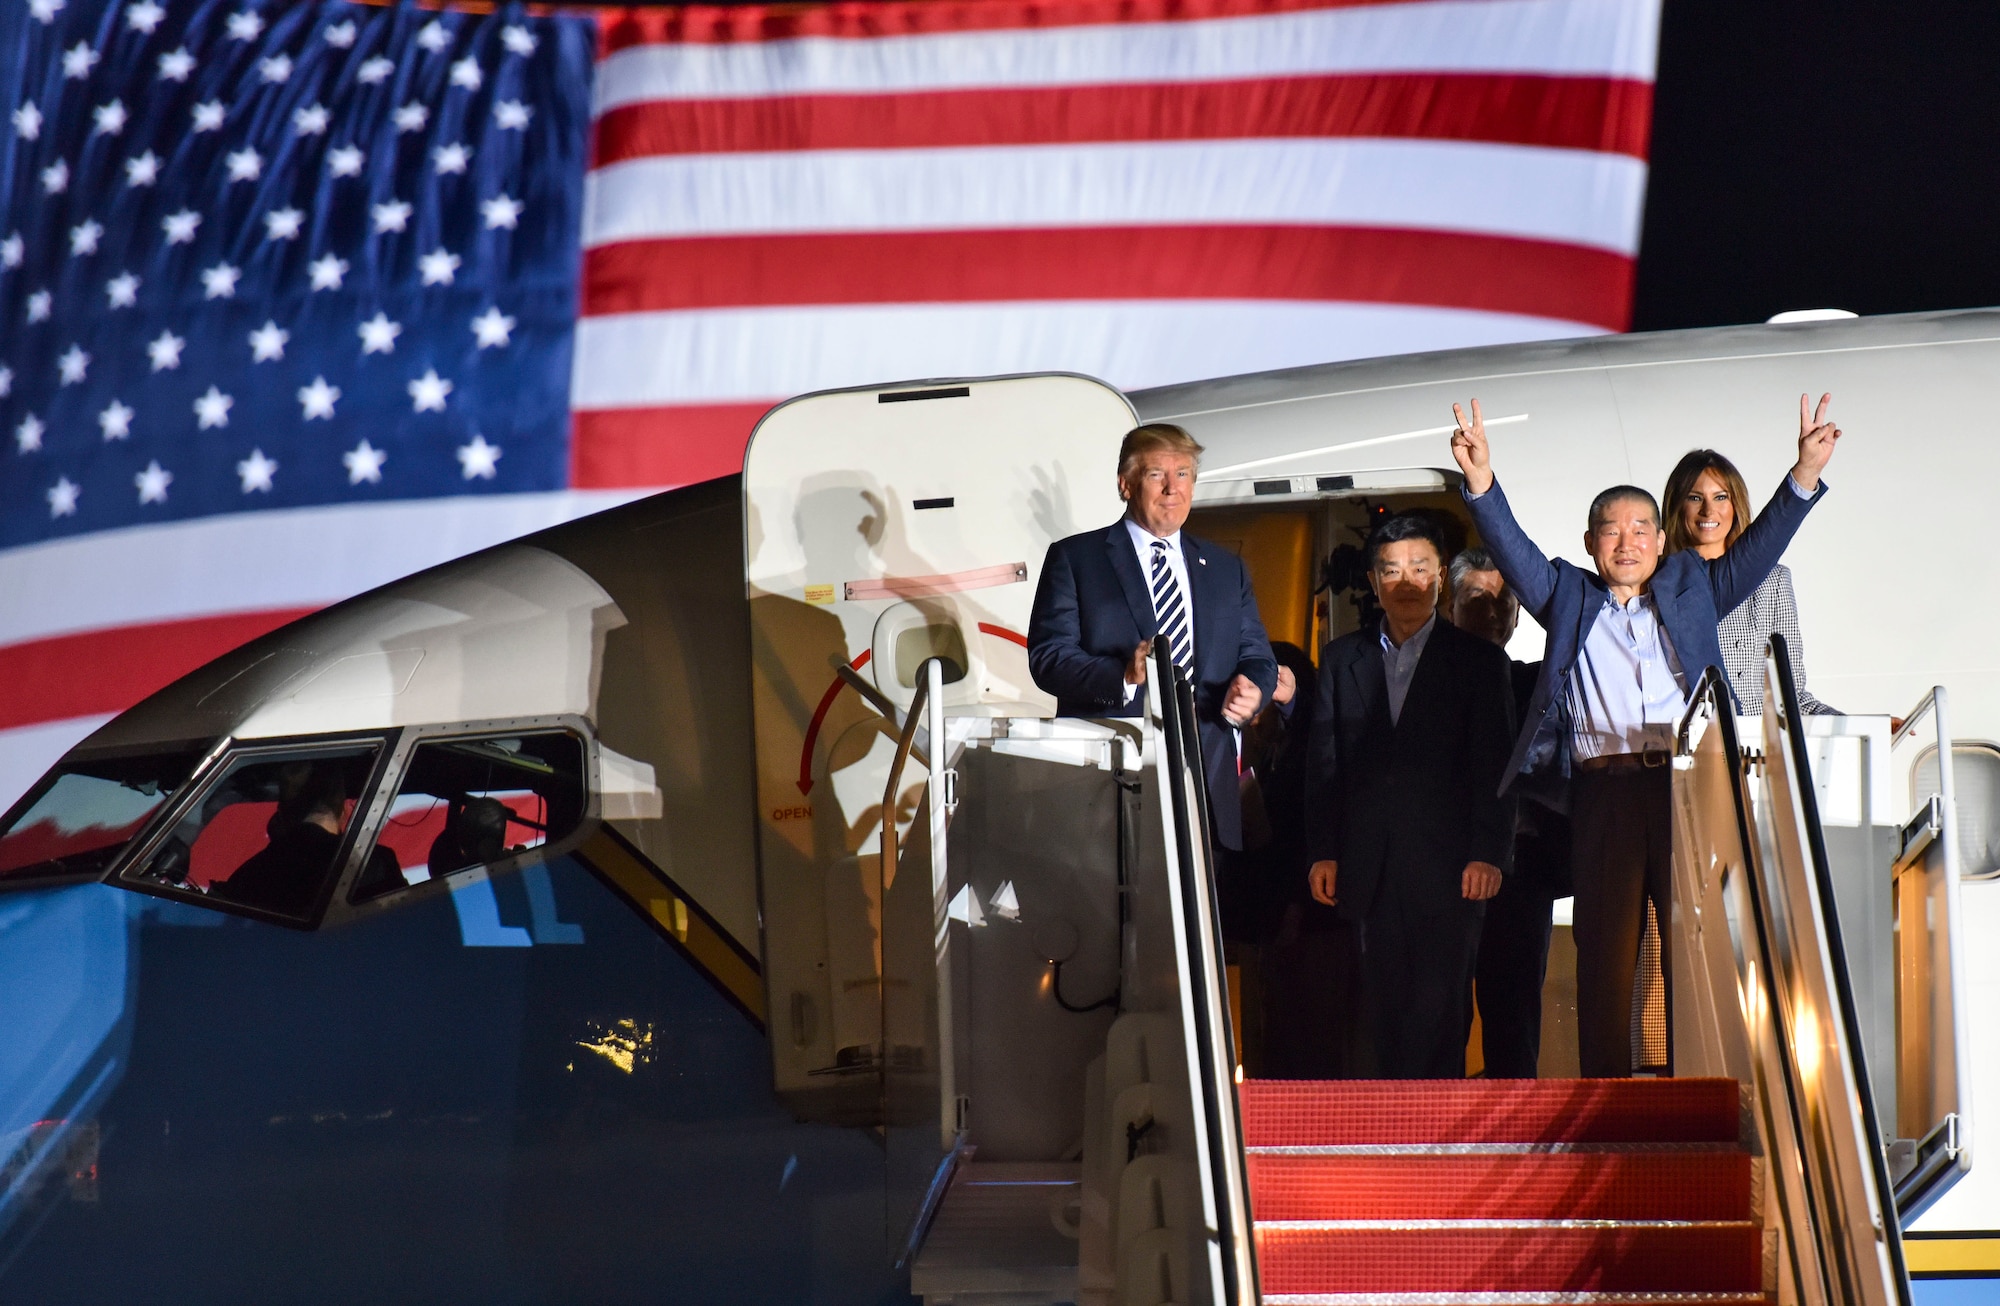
(1279, 1112)
(1706, 1184)
(1507, 1256)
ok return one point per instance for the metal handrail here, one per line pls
(1707, 692)
(1171, 698)
(906, 742)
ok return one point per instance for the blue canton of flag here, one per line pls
(282, 256)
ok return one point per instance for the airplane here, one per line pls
(700, 901)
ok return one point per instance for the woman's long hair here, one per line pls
(1673, 504)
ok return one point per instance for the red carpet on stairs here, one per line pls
(1627, 1191)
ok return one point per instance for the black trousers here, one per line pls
(1416, 970)
(1622, 856)
(1513, 961)
(1312, 1026)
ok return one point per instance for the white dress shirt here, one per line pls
(1627, 691)
(1142, 544)
(1400, 664)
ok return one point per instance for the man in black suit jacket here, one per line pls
(1098, 610)
(1410, 834)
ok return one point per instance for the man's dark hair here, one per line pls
(1621, 494)
(1404, 526)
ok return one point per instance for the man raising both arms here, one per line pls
(1625, 645)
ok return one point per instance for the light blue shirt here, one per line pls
(1627, 691)
(1399, 665)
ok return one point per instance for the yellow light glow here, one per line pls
(625, 1044)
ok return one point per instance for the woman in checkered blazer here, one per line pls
(1707, 506)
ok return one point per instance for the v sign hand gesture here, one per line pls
(1468, 447)
(1816, 440)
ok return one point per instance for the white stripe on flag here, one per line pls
(258, 561)
(633, 360)
(1604, 38)
(1574, 197)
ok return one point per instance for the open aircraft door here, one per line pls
(884, 527)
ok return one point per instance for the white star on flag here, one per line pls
(110, 118)
(375, 70)
(208, 116)
(62, 497)
(144, 16)
(501, 211)
(451, 158)
(122, 290)
(344, 161)
(311, 120)
(466, 73)
(245, 164)
(283, 224)
(256, 471)
(212, 409)
(166, 351)
(511, 115)
(267, 343)
(277, 68)
(28, 121)
(153, 483)
(180, 226)
(39, 305)
(6, 381)
(518, 40)
(245, 25)
(45, 11)
(427, 392)
(73, 364)
(434, 37)
(438, 266)
(219, 282)
(142, 170)
(393, 216)
(175, 65)
(28, 435)
(317, 399)
(411, 117)
(78, 60)
(341, 35)
(327, 270)
(55, 178)
(378, 335)
(116, 421)
(478, 459)
(84, 236)
(364, 463)
(12, 251)
(493, 328)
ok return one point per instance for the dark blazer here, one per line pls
(1419, 797)
(1093, 607)
(1690, 592)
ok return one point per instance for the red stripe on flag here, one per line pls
(619, 448)
(1579, 113)
(99, 671)
(856, 19)
(1354, 264)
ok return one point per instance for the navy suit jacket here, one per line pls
(1690, 592)
(1093, 607)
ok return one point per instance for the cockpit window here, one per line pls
(267, 832)
(468, 802)
(80, 818)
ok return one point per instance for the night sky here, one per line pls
(1833, 154)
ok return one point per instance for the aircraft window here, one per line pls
(84, 815)
(940, 639)
(268, 830)
(469, 802)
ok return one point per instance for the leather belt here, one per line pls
(1625, 763)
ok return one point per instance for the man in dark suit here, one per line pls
(1626, 644)
(1514, 940)
(1106, 595)
(1410, 834)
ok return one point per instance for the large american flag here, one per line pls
(297, 298)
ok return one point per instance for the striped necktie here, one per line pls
(1171, 609)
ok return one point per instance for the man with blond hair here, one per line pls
(1107, 595)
